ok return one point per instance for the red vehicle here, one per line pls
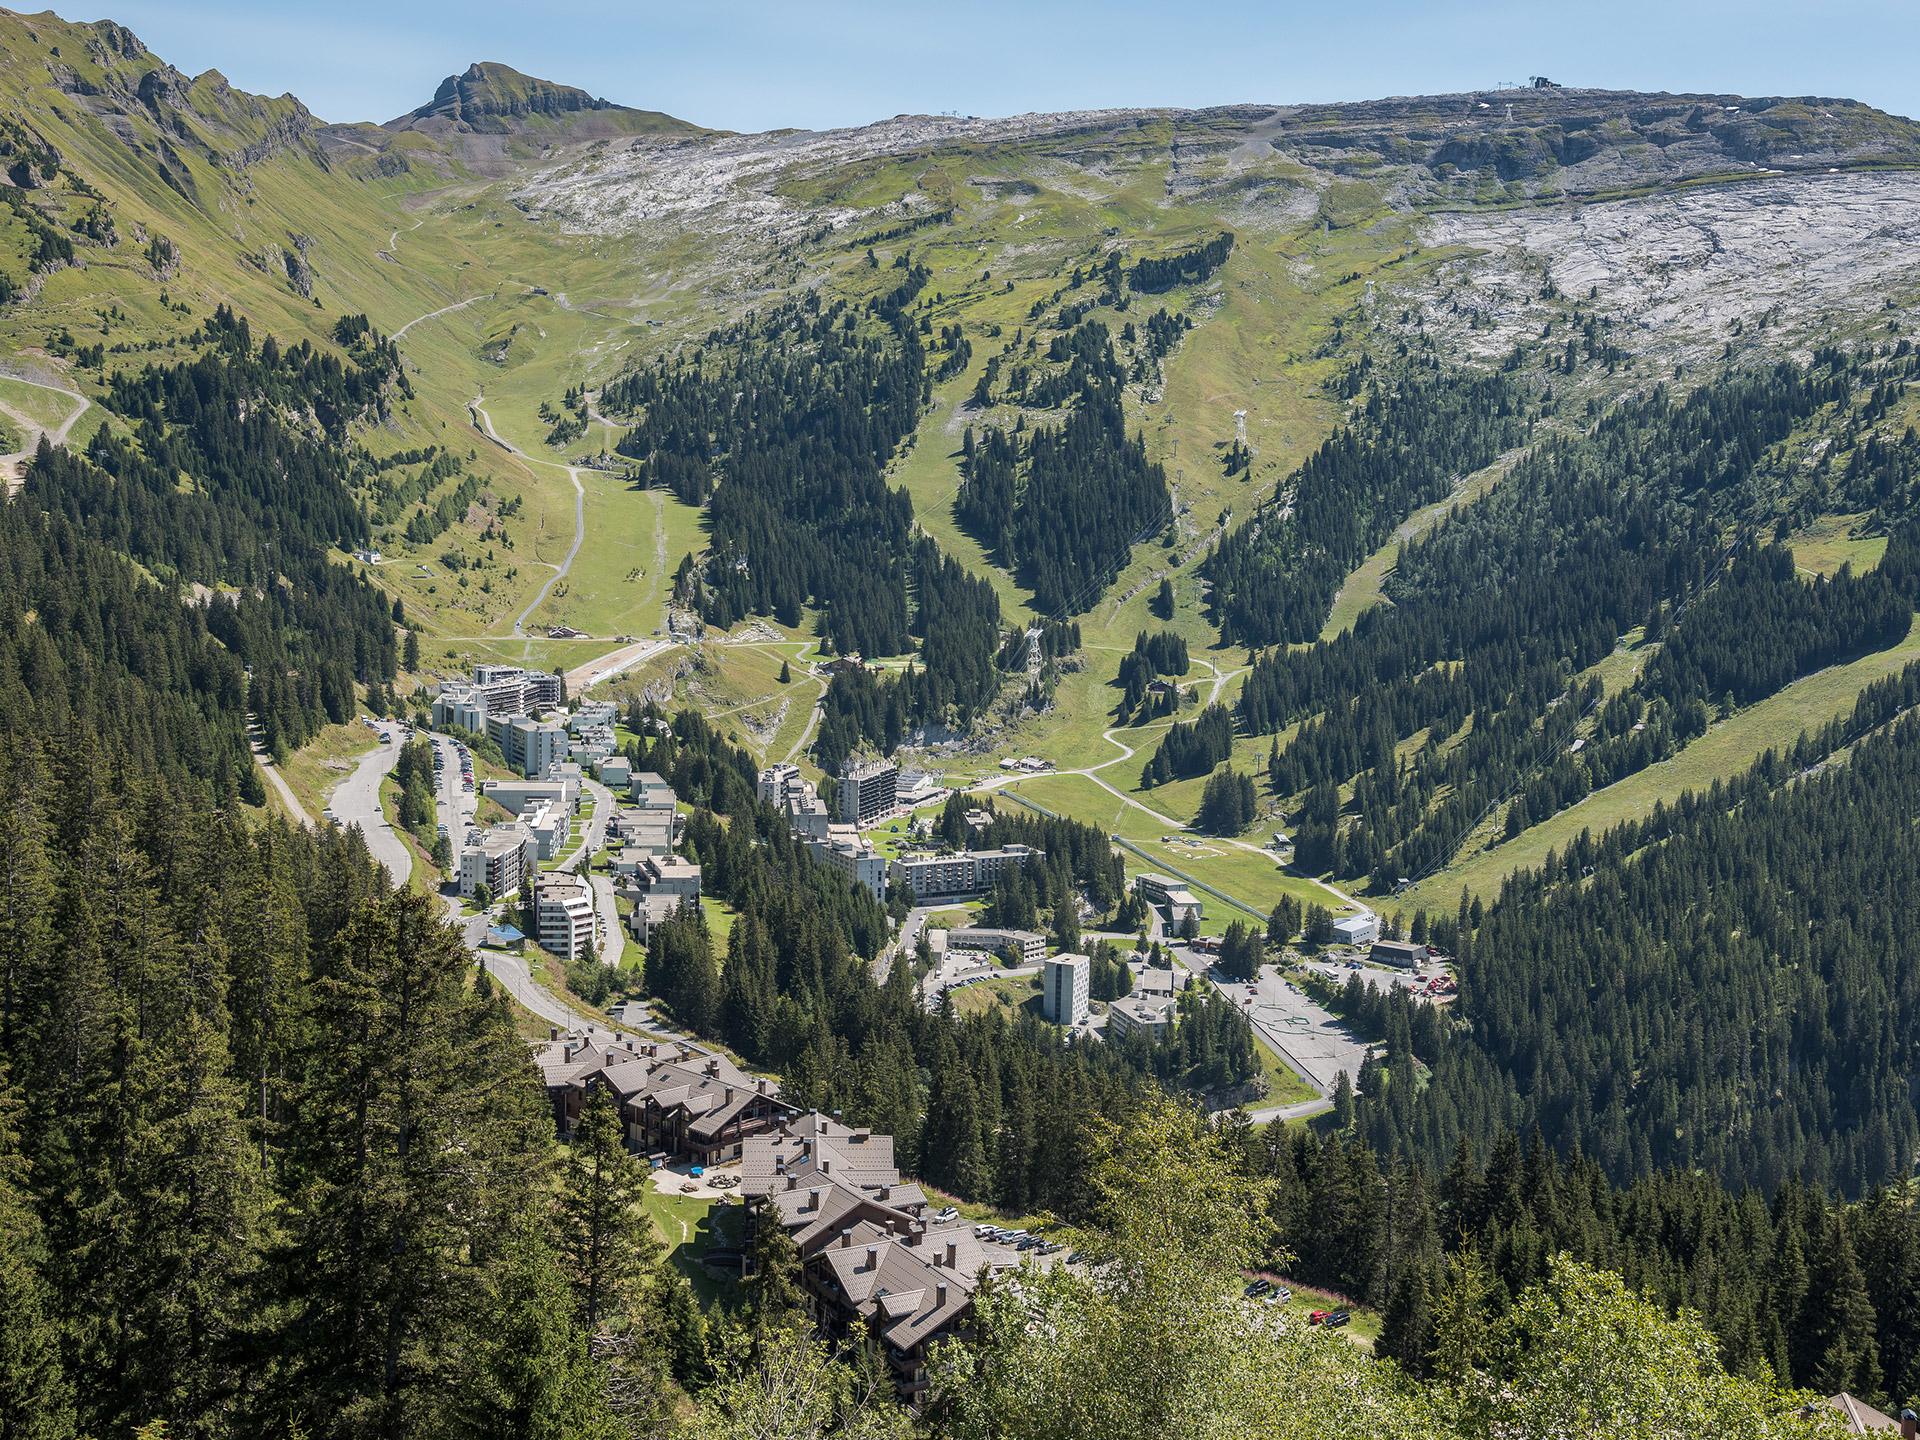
(1317, 1317)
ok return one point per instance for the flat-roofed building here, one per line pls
(642, 832)
(460, 707)
(963, 873)
(513, 796)
(566, 921)
(499, 858)
(650, 791)
(1023, 947)
(1403, 953)
(1357, 929)
(669, 875)
(616, 772)
(1171, 895)
(843, 849)
(776, 781)
(650, 911)
(533, 747)
(868, 790)
(1064, 995)
(1148, 1015)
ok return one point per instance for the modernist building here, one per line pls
(1065, 996)
(500, 858)
(565, 920)
(1022, 947)
(967, 872)
(1140, 1014)
(1357, 929)
(868, 790)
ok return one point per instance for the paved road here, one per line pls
(613, 936)
(904, 942)
(1340, 897)
(356, 801)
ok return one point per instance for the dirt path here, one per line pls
(13, 467)
(443, 310)
(579, 509)
(1127, 752)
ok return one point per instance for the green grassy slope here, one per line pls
(423, 226)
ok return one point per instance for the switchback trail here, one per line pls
(485, 422)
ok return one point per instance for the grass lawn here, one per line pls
(720, 918)
(1835, 540)
(686, 1224)
(1364, 588)
(1254, 879)
(1284, 1087)
(47, 408)
(1004, 992)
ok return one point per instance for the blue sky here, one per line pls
(758, 64)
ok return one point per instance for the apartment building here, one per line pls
(874, 1262)
(964, 873)
(843, 849)
(868, 790)
(676, 1100)
(565, 919)
(533, 747)
(1065, 996)
(1022, 947)
(500, 858)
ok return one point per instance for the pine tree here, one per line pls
(1343, 1101)
(771, 1286)
(386, 1238)
(786, 673)
(36, 1402)
(1842, 1338)
(1406, 1329)
(1461, 1305)
(193, 1190)
(607, 1241)
(411, 654)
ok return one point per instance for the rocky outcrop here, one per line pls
(489, 96)
(299, 272)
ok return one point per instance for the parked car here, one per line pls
(1275, 1297)
(947, 1214)
(1318, 1317)
(1339, 1317)
(1259, 1287)
(1282, 1294)
(1031, 1242)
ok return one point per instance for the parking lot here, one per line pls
(1315, 1039)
